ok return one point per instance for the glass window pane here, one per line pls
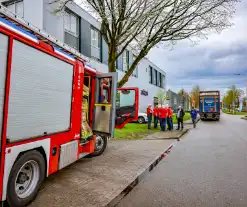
(19, 9)
(154, 76)
(158, 79)
(67, 21)
(125, 60)
(150, 74)
(73, 26)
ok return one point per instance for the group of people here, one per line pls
(164, 114)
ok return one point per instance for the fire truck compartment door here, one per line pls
(126, 106)
(3, 68)
(105, 103)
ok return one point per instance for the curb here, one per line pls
(140, 177)
(184, 132)
(177, 138)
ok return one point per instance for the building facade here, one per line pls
(81, 31)
(174, 100)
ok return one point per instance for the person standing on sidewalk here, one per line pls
(156, 117)
(193, 114)
(158, 110)
(180, 117)
(169, 119)
(163, 117)
(149, 114)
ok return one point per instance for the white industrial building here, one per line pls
(80, 30)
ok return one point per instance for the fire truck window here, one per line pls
(125, 98)
(105, 90)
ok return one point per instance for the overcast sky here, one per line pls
(212, 62)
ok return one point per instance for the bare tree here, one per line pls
(195, 95)
(161, 95)
(142, 24)
(184, 97)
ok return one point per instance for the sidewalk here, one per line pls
(102, 181)
(174, 134)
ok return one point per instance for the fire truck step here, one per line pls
(83, 141)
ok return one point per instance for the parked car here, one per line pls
(142, 118)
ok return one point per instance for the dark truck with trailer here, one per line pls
(209, 105)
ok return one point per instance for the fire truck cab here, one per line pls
(54, 108)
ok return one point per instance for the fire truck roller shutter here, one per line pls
(3, 69)
(40, 94)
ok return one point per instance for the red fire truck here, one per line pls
(42, 111)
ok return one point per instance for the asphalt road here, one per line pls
(207, 168)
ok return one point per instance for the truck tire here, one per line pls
(100, 145)
(25, 179)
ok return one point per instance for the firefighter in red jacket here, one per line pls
(156, 116)
(163, 116)
(169, 118)
(149, 114)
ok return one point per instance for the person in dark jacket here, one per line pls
(193, 114)
(180, 117)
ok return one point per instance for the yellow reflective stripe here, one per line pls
(109, 105)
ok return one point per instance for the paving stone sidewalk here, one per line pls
(175, 134)
(95, 182)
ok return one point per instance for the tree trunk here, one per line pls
(112, 57)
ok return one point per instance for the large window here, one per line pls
(156, 78)
(95, 44)
(160, 80)
(71, 27)
(125, 60)
(150, 74)
(16, 7)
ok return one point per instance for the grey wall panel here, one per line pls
(3, 69)
(53, 24)
(85, 38)
(33, 12)
(40, 94)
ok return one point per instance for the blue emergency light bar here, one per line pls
(90, 67)
(18, 30)
(62, 53)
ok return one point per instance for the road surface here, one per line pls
(207, 168)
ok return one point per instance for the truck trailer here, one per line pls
(209, 105)
(54, 108)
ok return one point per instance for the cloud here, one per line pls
(212, 62)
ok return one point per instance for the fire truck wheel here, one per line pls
(25, 178)
(100, 145)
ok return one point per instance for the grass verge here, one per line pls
(226, 111)
(134, 131)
